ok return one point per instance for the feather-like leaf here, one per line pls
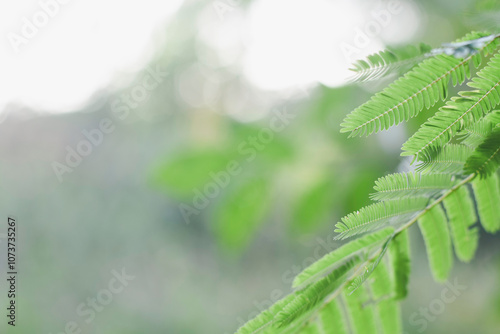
(476, 133)
(434, 229)
(314, 294)
(399, 250)
(328, 261)
(389, 61)
(388, 309)
(450, 158)
(375, 216)
(420, 88)
(370, 267)
(460, 112)
(389, 313)
(493, 117)
(262, 322)
(487, 193)
(361, 319)
(402, 185)
(333, 319)
(461, 215)
(311, 328)
(485, 159)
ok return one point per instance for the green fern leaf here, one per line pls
(389, 313)
(361, 319)
(450, 158)
(461, 215)
(476, 134)
(358, 281)
(487, 192)
(460, 144)
(314, 294)
(262, 322)
(327, 262)
(493, 117)
(485, 159)
(389, 61)
(399, 251)
(388, 309)
(332, 319)
(437, 241)
(403, 185)
(420, 88)
(377, 215)
(460, 112)
(311, 328)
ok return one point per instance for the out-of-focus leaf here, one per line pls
(189, 171)
(260, 144)
(240, 212)
(313, 207)
(361, 182)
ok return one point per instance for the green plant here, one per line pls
(357, 288)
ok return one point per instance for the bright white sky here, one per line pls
(299, 41)
(286, 43)
(77, 51)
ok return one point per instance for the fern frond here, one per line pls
(361, 319)
(399, 250)
(388, 61)
(388, 309)
(328, 261)
(389, 313)
(353, 289)
(460, 112)
(314, 294)
(374, 216)
(403, 185)
(369, 268)
(460, 210)
(476, 133)
(450, 158)
(311, 328)
(485, 159)
(420, 88)
(493, 117)
(332, 319)
(487, 193)
(262, 322)
(437, 242)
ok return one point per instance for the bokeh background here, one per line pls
(191, 92)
